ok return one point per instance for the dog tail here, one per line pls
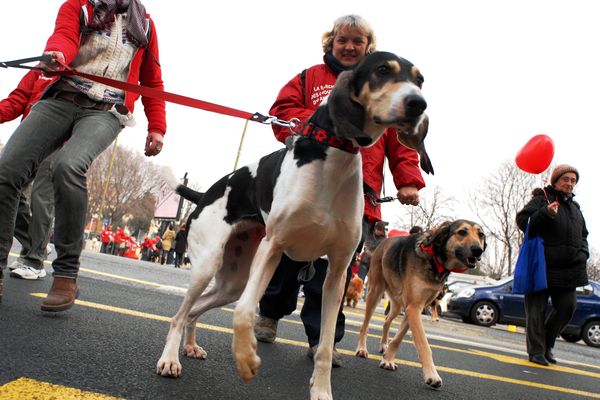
(182, 190)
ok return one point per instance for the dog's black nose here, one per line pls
(476, 251)
(414, 104)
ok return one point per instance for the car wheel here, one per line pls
(484, 313)
(570, 337)
(591, 333)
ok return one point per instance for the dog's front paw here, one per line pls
(194, 351)
(383, 348)
(168, 368)
(319, 390)
(248, 366)
(320, 395)
(389, 365)
(433, 380)
(362, 353)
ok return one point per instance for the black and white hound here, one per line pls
(305, 200)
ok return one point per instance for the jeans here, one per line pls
(51, 123)
(36, 219)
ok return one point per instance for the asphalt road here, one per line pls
(109, 343)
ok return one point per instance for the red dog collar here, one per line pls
(438, 265)
(322, 136)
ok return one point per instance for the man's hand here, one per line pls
(53, 65)
(154, 143)
(408, 195)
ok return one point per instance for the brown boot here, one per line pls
(62, 294)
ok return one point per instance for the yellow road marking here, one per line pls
(124, 278)
(472, 374)
(30, 389)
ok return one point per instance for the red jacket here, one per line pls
(19, 101)
(318, 82)
(106, 235)
(119, 236)
(144, 68)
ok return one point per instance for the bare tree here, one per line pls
(593, 266)
(129, 190)
(496, 203)
(434, 208)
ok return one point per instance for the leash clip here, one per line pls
(268, 120)
(386, 199)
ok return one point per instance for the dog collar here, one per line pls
(438, 265)
(327, 138)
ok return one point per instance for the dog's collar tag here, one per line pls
(329, 139)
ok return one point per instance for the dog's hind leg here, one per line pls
(376, 289)
(387, 362)
(244, 342)
(230, 281)
(395, 309)
(205, 262)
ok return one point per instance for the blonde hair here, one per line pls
(349, 21)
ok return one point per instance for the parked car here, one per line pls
(452, 289)
(488, 305)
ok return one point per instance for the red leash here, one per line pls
(151, 92)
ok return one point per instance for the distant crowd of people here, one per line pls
(168, 248)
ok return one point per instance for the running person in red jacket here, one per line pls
(350, 40)
(114, 39)
(34, 217)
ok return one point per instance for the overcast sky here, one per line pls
(496, 74)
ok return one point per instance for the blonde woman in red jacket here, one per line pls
(348, 42)
(115, 39)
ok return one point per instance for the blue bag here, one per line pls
(530, 270)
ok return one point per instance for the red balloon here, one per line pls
(396, 232)
(536, 155)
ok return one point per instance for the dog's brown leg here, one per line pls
(434, 312)
(430, 375)
(376, 288)
(394, 311)
(387, 361)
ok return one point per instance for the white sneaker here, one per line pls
(16, 264)
(29, 273)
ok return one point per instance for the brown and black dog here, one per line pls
(412, 270)
(435, 304)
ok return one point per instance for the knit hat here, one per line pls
(562, 169)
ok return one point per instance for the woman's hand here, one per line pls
(553, 208)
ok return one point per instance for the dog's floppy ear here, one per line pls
(438, 238)
(348, 116)
(416, 141)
